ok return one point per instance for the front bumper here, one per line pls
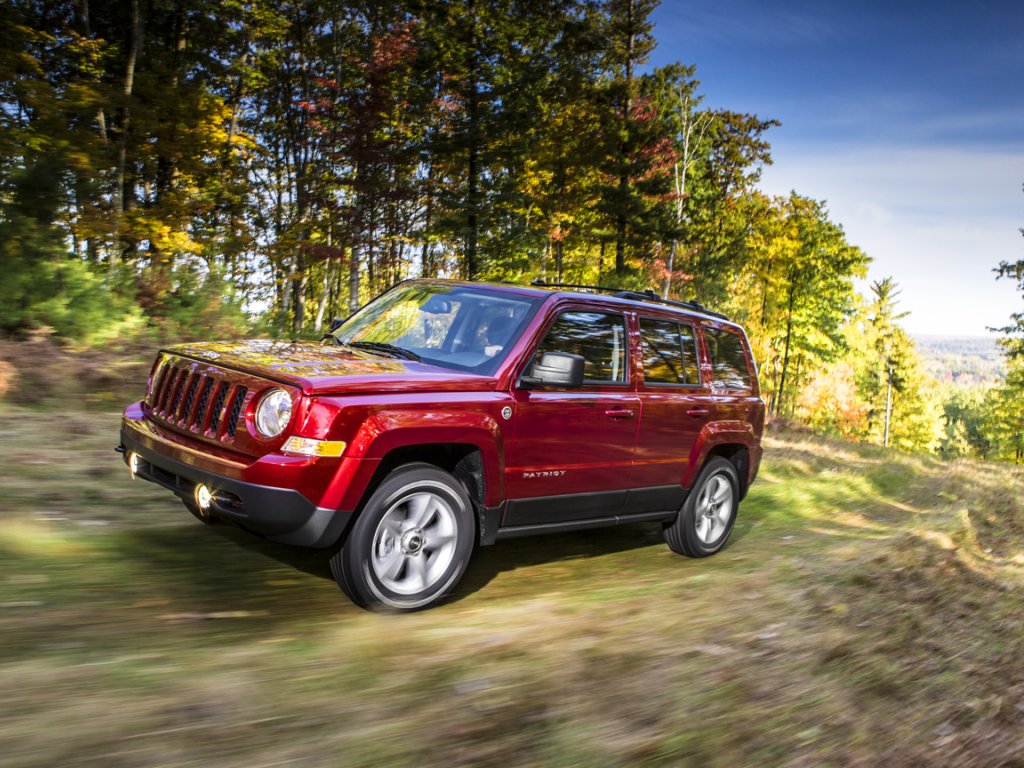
(279, 514)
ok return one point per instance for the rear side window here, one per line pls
(728, 360)
(669, 353)
(600, 338)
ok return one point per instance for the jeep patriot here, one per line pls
(443, 415)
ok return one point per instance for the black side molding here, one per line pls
(581, 525)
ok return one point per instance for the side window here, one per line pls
(669, 353)
(598, 337)
(727, 359)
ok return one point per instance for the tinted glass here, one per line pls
(669, 353)
(453, 326)
(599, 338)
(727, 359)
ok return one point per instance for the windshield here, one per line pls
(453, 326)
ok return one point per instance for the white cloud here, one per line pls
(936, 219)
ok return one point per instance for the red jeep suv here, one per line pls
(444, 414)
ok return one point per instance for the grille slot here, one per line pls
(218, 406)
(175, 399)
(236, 410)
(190, 393)
(204, 400)
(159, 385)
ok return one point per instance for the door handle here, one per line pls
(619, 413)
(697, 413)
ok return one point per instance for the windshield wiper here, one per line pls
(380, 346)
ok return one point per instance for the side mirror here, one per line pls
(556, 369)
(336, 323)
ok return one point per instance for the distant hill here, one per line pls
(966, 361)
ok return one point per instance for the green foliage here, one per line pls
(1004, 424)
(794, 292)
(899, 397)
(964, 414)
(167, 167)
(45, 287)
(197, 304)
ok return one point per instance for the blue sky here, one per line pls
(906, 117)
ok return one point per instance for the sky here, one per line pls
(907, 118)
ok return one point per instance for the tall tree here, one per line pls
(1013, 341)
(628, 30)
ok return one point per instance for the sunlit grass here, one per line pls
(867, 610)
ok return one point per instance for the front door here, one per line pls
(572, 450)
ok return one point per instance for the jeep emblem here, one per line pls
(506, 413)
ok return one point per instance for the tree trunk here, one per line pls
(299, 282)
(785, 356)
(473, 138)
(84, 26)
(324, 294)
(627, 108)
(120, 192)
(671, 266)
(353, 280)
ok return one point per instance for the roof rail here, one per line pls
(540, 282)
(647, 295)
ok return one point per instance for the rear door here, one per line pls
(676, 401)
(576, 444)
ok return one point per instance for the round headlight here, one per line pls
(273, 413)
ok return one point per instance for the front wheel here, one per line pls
(706, 518)
(411, 544)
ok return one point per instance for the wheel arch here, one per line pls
(463, 461)
(738, 455)
(731, 444)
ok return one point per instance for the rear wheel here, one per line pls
(411, 543)
(707, 516)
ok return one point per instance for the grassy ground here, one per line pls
(868, 610)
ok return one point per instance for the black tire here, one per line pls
(703, 525)
(411, 543)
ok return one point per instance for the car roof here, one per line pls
(632, 300)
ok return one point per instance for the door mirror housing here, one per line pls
(556, 369)
(336, 323)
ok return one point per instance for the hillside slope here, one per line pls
(966, 361)
(868, 609)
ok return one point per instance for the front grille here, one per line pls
(198, 401)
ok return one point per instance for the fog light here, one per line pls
(307, 446)
(204, 497)
(133, 463)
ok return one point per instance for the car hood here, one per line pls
(325, 369)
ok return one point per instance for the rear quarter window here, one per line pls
(728, 359)
(669, 353)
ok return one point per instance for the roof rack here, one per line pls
(647, 295)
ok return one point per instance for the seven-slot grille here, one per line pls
(197, 401)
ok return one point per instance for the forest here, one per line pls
(174, 169)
